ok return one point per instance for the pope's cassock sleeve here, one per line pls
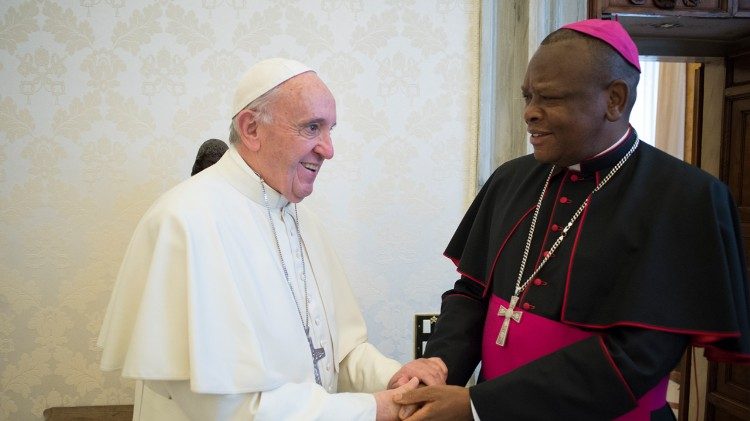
(363, 370)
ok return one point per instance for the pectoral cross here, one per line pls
(317, 355)
(508, 313)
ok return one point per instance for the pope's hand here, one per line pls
(387, 408)
(430, 371)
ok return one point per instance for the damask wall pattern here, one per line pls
(103, 104)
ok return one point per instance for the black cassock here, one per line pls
(654, 263)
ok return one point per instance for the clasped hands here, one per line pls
(418, 392)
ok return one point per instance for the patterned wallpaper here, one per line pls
(103, 105)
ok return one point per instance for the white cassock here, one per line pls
(203, 316)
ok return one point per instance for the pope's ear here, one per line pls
(617, 99)
(247, 128)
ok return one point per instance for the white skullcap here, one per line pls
(263, 77)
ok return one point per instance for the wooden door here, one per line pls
(728, 392)
(728, 385)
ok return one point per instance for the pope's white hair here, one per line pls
(261, 106)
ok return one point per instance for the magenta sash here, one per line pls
(524, 344)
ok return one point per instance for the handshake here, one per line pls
(418, 392)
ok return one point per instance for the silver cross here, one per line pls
(317, 355)
(508, 313)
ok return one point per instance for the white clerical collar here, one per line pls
(244, 179)
(577, 167)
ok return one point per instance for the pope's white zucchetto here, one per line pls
(262, 77)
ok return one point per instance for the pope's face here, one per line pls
(566, 104)
(298, 139)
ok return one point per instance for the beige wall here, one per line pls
(102, 108)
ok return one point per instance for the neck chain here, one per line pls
(316, 353)
(306, 319)
(510, 313)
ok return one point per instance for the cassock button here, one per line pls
(564, 200)
(546, 253)
(538, 281)
(574, 178)
(527, 306)
(555, 227)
